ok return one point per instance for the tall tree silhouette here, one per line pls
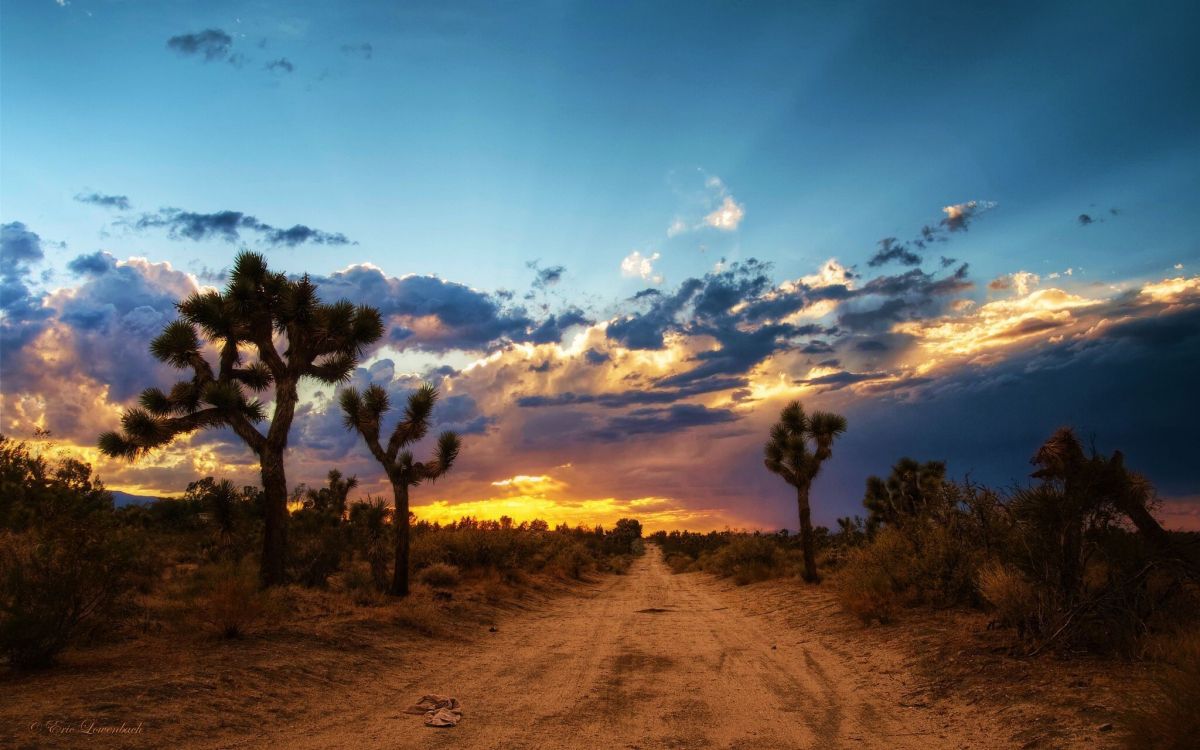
(363, 412)
(294, 336)
(789, 454)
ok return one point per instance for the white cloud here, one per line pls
(678, 227)
(636, 264)
(727, 216)
(1024, 282)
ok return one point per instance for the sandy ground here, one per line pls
(638, 661)
(649, 660)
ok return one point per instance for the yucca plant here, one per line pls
(799, 444)
(291, 334)
(363, 412)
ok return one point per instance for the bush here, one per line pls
(571, 560)
(58, 586)
(359, 583)
(1013, 599)
(1169, 717)
(227, 599)
(866, 587)
(440, 576)
(317, 545)
(747, 559)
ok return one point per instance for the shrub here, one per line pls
(317, 545)
(359, 583)
(866, 587)
(227, 600)
(746, 558)
(440, 576)
(1169, 717)
(679, 563)
(57, 586)
(571, 560)
(1011, 596)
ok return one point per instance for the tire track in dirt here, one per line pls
(649, 660)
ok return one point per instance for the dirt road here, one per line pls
(651, 660)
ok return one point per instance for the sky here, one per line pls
(620, 237)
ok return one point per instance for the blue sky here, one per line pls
(468, 140)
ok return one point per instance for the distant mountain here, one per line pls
(122, 499)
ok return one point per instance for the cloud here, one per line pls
(281, 65)
(545, 277)
(709, 204)
(94, 264)
(960, 216)
(891, 250)
(727, 216)
(1085, 219)
(228, 226)
(24, 316)
(119, 202)
(211, 44)
(661, 420)
(1021, 281)
(637, 265)
(363, 50)
(431, 314)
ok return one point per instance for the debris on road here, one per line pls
(438, 710)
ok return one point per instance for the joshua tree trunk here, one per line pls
(806, 536)
(275, 518)
(400, 574)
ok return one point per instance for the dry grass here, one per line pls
(1168, 716)
(440, 576)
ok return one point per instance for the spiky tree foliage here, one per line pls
(799, 444)
(331, 499)
(1081, 492)
(266, 332)
(913, 489)
(363, 413)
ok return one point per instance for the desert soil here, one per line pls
(654, 660)
(638, 661)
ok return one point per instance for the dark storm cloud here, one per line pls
(654, 395)
(596, 357)
(211, 44)
(119, 202)
(228, 226)
(660, 420)
(363, 50)
(428, 313)
(24, 315)
(1085, 219)
(891, 250)
(1126, 389)
(911, 295)
(551, 329)
(92, 264)
(838, 380)
(546, 277)
(282, 65)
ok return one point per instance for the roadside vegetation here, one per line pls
(77, 572)
(1073, 563)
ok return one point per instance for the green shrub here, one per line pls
(57, 586)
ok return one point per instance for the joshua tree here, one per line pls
(293, 335)
(788, 454)
(913, 489)
(363, 412)
(332, 498)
